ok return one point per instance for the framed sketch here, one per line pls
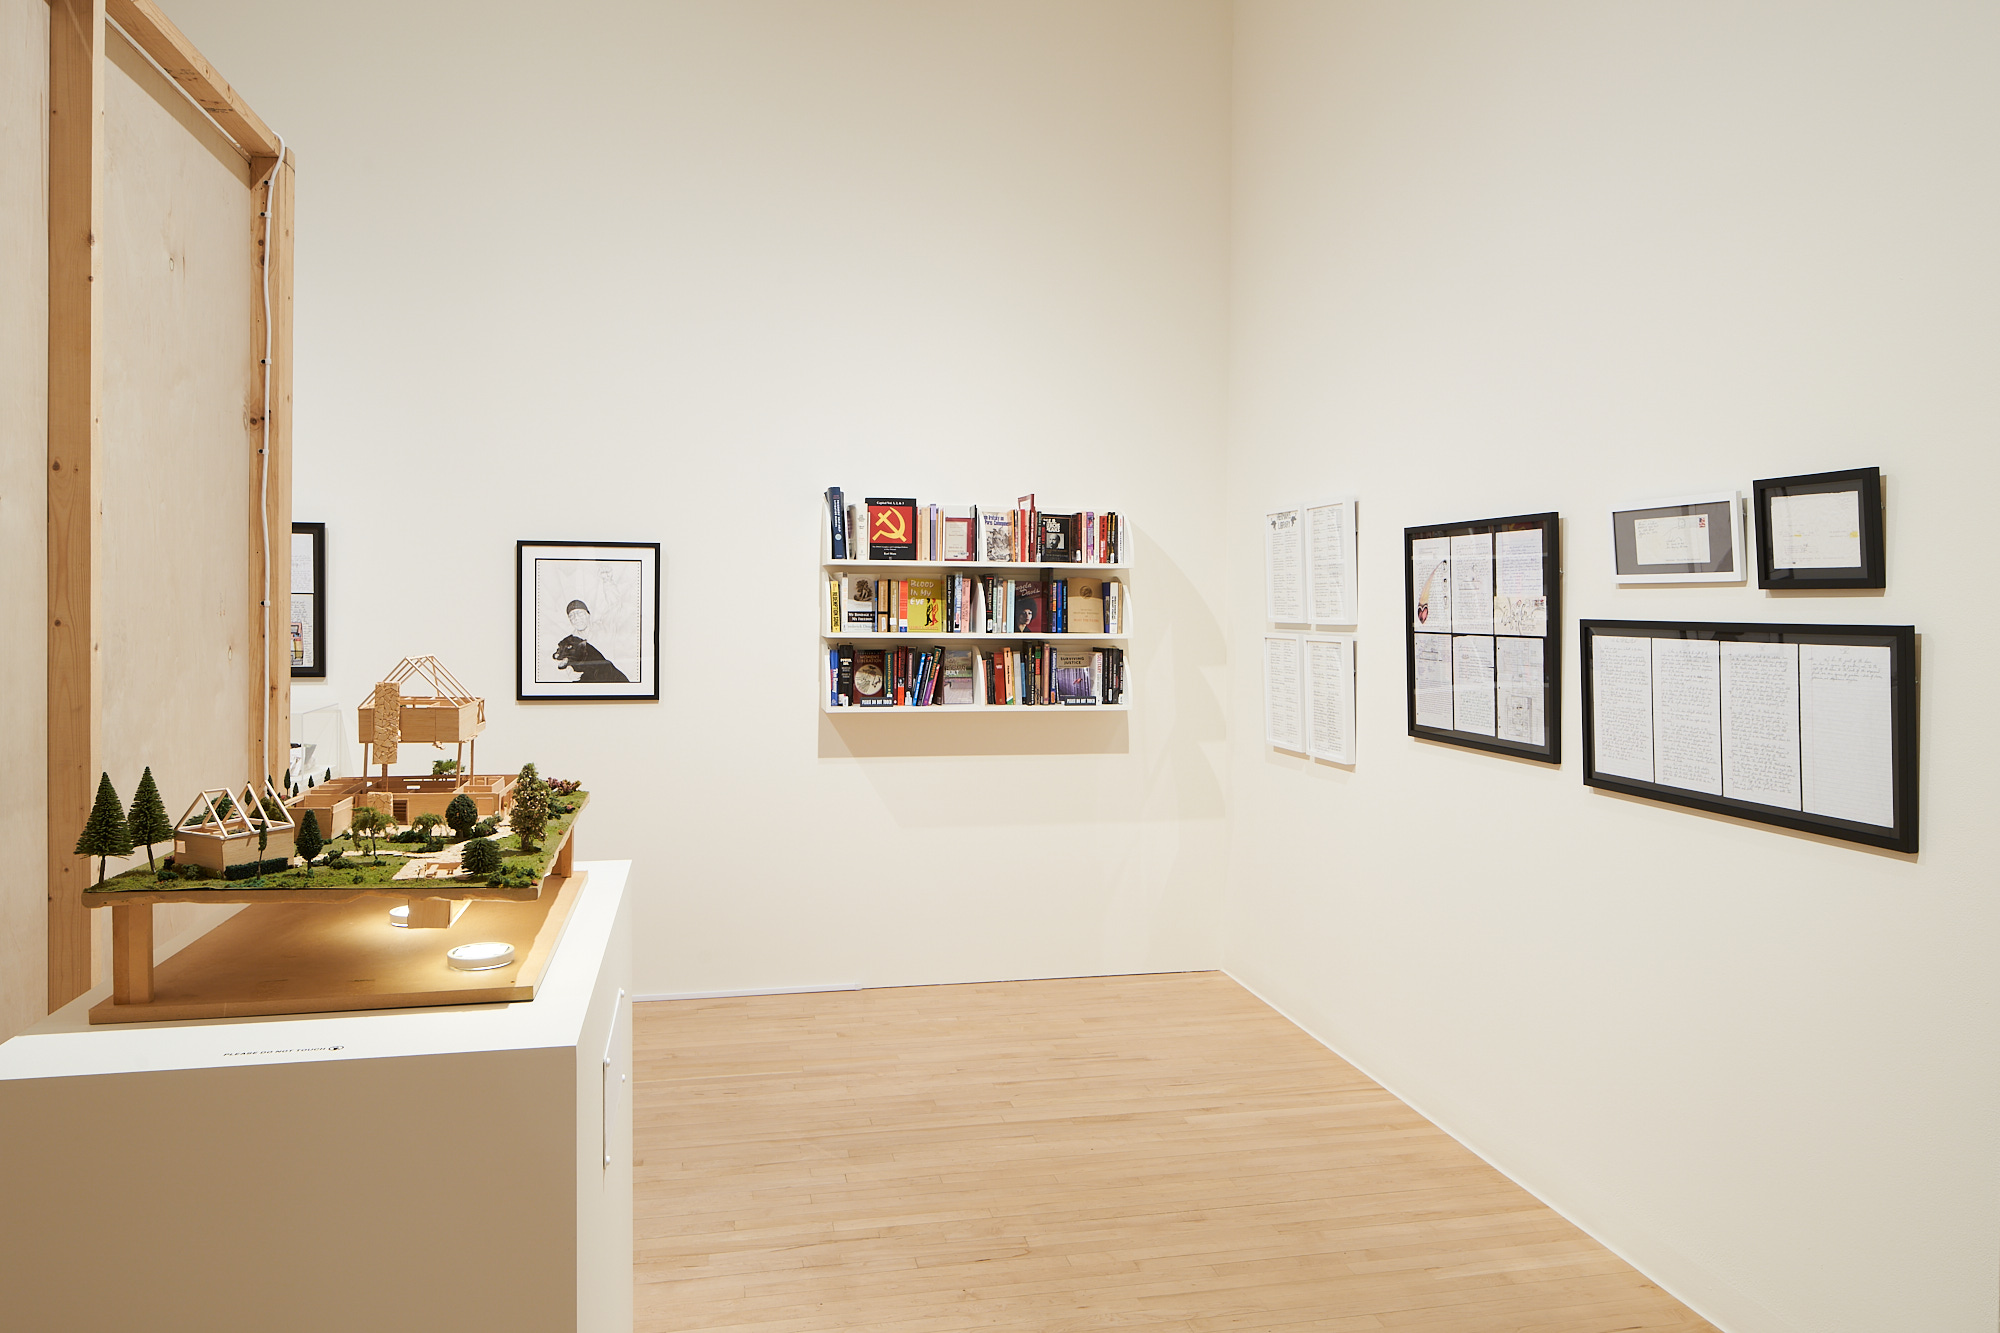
(1808, 727)
(1482, 632)
(587, 620)
(1823, 530)
(308, 601)
(1686, 539)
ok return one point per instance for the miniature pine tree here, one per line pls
(461, 814)
(105, 833)
(309, 841)
(530, 816)
(147, 821)
(481, 857)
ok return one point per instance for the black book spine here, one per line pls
(838, 517)
(846, 686)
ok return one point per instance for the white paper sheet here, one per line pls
(1518, 561)
(1760, 723)
(1472, 584)
(1330, 588)
(1284, 722)
(1519, 691)
(1433, 683)
(1846, 751)
(1621, 674)
(1430, 575)
(1817, 531)
(302, 562)
(1330, 696)
(1284, 567)
(1520, 599)
(1687, 715)
(1676, 539)
(1472, 683)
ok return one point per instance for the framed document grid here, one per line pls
(1482, 630)
(1808, 727)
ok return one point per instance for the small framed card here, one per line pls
(1684, 539)
(587, 620)
(1823, 530)
(308, 601)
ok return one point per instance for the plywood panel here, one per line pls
(24, 66)
(179, 303)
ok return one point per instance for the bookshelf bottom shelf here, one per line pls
(959, 710)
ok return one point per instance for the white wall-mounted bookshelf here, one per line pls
(837, 575)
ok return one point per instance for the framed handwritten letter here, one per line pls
(1686, 539)
(1808, 727)
(1820, 531)
(1482, 629)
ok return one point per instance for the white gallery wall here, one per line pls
(668, 272)
(1495, 259)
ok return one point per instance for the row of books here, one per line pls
(974, 604)
(892, 528)
(1050, 675)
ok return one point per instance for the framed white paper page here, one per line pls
(1285, 567)
(1284, 693)
(1331, 588)
(1330, 697)
(1684, 539)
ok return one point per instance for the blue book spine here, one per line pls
(838, 515)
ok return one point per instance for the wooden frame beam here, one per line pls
(155, 34)
(75, 452)
(75, 212)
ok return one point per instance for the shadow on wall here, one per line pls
(1025, 731)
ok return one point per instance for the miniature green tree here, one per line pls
(147, 821)
(481, 856)
(370, 822)
(461, 814)
(530, 817)
(105, 833)
(263, 843)
(309, 841)
(443, 768)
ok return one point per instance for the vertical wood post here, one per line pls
(271, 497)
(75, 192)
(132, 953)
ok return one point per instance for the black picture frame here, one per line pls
(1900, 641)
(1781, 568)
(614, 655)
(1549, 525)
(308, 629)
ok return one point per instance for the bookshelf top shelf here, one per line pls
(966, 564)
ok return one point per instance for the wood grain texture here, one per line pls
(24, 520)
(178, 392)
(274, 721)
(75, 448)
(156, 34)
(1162, 1152)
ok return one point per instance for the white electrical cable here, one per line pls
(264, 467)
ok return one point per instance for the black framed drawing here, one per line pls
(1685, 539)
(1807, 727)
(308, 602)
(1822, 530)
(586, 620)
(1482, 631)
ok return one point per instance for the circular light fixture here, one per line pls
(480, 957)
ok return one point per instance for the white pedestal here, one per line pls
(401, 1171)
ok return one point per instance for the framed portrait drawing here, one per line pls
(1821, 531)
(587, 620)
(1686, 539)
(308, 601)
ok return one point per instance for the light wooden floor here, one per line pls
(1157, 1152)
